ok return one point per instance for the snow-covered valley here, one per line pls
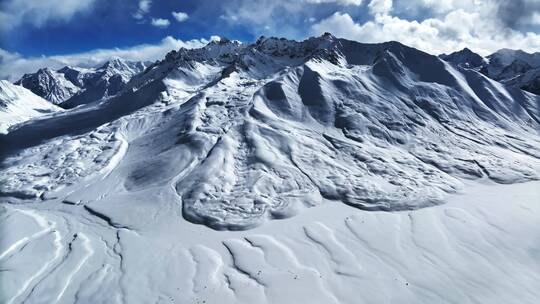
(325, 171)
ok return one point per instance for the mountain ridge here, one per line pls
(511, 67)
(72, 86)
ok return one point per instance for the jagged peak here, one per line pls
(293, 48)
(328, 35)
(262, 39)
(42, 72)
(45, 70)
(114, 62)
(506, 56)
(265, 40)
(465, 51)
(465, 58)
(223, 41)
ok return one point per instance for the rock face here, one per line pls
(105, 81)
(246, 133)
(50, 85)
(73, 86)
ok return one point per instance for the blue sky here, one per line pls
(86, 32)
(121, 23)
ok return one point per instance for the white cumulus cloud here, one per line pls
(159, 22)
(143, 9)
(37, 12)
(180, 16)
(458, 26)
(380, 6)
(14, 65)
(341, 2)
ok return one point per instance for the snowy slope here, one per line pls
(353, 170)
(17, 105)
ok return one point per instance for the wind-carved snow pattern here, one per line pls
(335, 254)
(247, 133)
(59, 163)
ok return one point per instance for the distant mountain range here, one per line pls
(72, 86)
(511, 67)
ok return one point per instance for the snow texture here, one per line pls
(18, 105)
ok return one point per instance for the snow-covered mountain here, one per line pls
(310, 118)
(105, 81)
(73, 86)
(18, 104)
(281, 137)
(515, 68)
(50, 85)
(504, 57)
(511, 67)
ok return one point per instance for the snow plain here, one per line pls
(481, 246)
(279, 172)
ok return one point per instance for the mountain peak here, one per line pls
(115, 62)
(465, 58)
(222, 41)
(328, 35)
(47, 71)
